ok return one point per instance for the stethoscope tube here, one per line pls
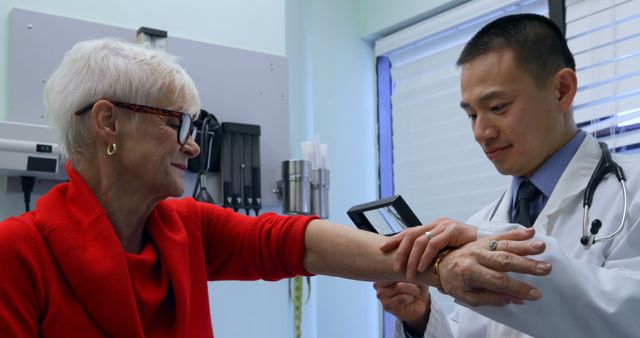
(606, 166)
(624, 214)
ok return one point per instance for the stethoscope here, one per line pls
(605, 166)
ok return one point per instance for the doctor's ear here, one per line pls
(103, 115)
(566, 86)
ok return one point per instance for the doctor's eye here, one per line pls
(472, 117)
(498, 108)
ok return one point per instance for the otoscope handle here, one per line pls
(257, 193)
(227, 199)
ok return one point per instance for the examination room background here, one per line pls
(331, 94)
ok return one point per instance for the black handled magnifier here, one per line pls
(387, 216)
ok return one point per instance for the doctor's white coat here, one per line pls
(591, 292)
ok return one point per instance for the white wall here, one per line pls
(256, 25)
(4, 58)
(332, 94)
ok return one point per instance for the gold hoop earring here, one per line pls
(111, 149)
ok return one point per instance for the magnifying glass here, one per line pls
(386, 216)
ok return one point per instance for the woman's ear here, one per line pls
(566, 87)
(104, 120)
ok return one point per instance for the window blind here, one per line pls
(604, 36)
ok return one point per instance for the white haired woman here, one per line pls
(107, 254)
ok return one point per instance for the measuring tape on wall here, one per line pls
(296, 298)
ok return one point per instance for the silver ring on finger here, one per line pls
(493, 244)
(428, 234)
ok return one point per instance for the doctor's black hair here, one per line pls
(540, 49)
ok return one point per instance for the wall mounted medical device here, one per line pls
(240, 167)
(30, 150)
(320, 192)
(386, 216)
(209, 139)
(303, 190)
(151, 38)
(295, 187)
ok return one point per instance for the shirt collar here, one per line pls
(548, 175)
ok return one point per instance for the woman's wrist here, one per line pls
(436, 269)
(430, 277)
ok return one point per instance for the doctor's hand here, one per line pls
(409, 302)
(476, 272)
(418, 246)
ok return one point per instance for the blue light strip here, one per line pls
(385, 125)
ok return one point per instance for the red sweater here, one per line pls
(64, 273)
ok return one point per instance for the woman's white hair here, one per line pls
(114, 70)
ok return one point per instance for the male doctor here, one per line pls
(518, 83)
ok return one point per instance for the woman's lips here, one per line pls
(179, 166)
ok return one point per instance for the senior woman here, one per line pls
(108, 254)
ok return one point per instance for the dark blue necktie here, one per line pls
(527, 194)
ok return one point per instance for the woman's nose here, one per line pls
(191, 148)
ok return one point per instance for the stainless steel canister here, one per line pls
(297, 187)
(320, 192)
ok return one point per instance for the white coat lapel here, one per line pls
(503, 211)
(572, 182)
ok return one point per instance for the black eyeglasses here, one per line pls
(185, 128)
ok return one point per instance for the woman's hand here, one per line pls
(409, 302)
(416, 251)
